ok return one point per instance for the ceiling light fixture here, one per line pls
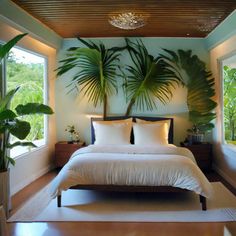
(127, 20)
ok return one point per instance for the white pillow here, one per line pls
(140, 121)
(110, 133)
(150, 134)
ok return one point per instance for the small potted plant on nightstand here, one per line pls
(195, 135)
(201, 125)
(73, 134)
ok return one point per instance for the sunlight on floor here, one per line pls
(230, 229)
(226, 232)
(33, 229)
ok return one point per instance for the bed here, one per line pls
(129, 160)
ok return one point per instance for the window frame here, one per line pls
(221, 97)
(3, 85)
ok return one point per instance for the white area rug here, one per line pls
(86, 205)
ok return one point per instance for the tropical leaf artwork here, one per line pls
(95, 70)
(200, 85)
(149, 79)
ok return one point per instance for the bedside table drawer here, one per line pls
(201, 156)
(204, 165)
(63, 152)
(61, 160)
(202, 153)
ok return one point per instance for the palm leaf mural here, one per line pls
(96, 71)
(200, 85)
(149, 78)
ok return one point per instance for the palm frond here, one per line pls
(200, 87)
(96, 70)
(149, 79)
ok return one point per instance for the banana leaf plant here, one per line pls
(95, 71)
(11, 121)
(200, 86)
(4, 49)
(149, 79)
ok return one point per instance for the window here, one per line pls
(229, 99)
(27, 70)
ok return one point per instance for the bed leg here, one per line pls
(203, 202)
(59, 201)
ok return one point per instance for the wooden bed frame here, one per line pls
(122, 188)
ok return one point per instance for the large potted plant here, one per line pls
(200, 85)
(12, 123)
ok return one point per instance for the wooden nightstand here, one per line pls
(202, 153)
(63, 152)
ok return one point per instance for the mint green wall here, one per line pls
(73, 109)
(153, 44)
(222, 32)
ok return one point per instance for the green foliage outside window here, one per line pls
(30, 78)
(230, 104)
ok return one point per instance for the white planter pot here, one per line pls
(5, 199)
(196, 138)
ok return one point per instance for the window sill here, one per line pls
(21, 151)
(229, 149)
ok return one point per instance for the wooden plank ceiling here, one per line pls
(165, 18)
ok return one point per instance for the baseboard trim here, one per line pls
(29, 180)
(224, 175)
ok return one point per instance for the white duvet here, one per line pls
(132, 165)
